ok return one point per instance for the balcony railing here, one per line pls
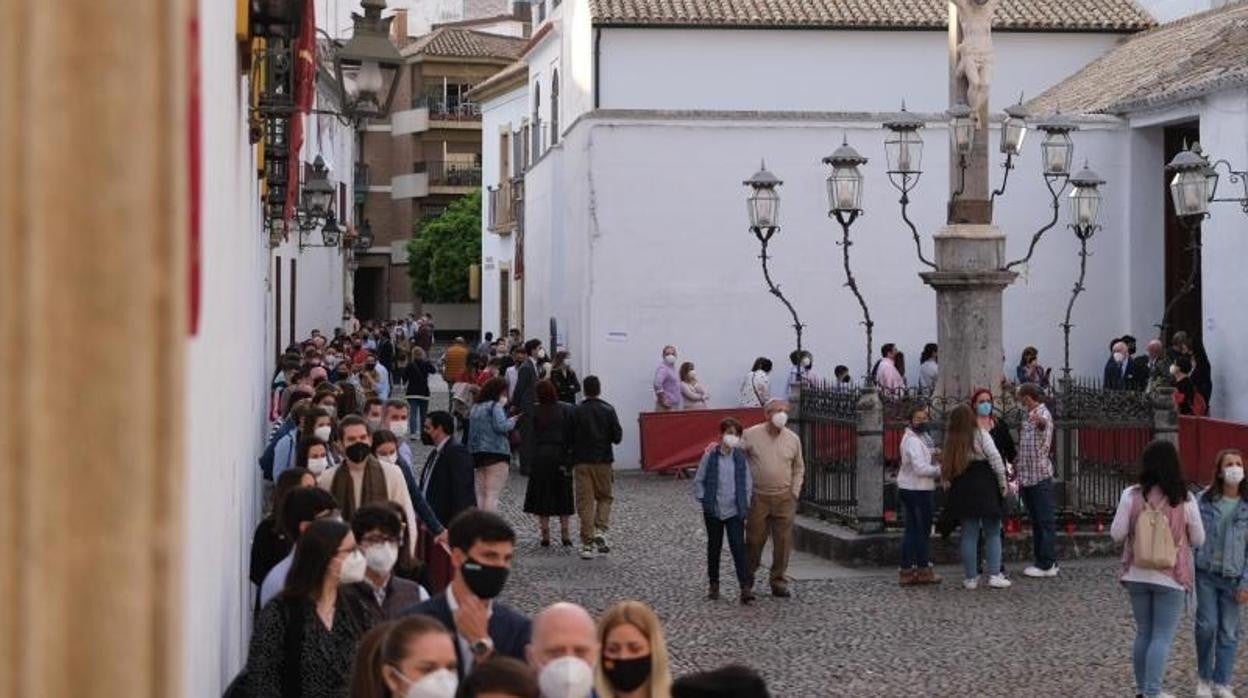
(440, 110)
(500, 209)
(450, 173)
(361, 182)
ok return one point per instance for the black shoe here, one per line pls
(747, 597)
(545, 542)
(780, 592)
(713, 593)
(567, 542)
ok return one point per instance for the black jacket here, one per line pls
(416, 376)
(596, 428)
(524, 397)
(1140, 372)
(450, 487)
(510, 631)
(1116, 379)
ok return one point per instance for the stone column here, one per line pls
(870, 462)
(93, 311)
(969, 283)
(1165, 416)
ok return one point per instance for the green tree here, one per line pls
(442, 250)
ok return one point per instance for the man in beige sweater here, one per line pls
(777, 469)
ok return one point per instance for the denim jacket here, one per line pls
(488, 426)
(1234, 546)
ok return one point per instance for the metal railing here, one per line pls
(828, 427)
(443, 110)
(500, 208)
(450, 173)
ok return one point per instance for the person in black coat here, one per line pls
(482, 544)
(1119, 370)
(524, 399)
(269, 544)
(975, 471)
(550, 476)
(446, 479)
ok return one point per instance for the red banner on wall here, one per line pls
(675, 440)
(1200, 440)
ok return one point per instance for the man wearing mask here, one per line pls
(1139, 365)
(667, 382)
(482, 546)
(446, 480)
(373, 409)
(362, 479)
(379, 531)
(564, 651)
(776, 465)
(1119, 373)
(1157, 368)
(524, 402)
(383, 375)
(302, 506)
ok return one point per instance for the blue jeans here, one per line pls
(1217, 626)
(1157, 610)
(970, 545)
(715, 530)
(1042, 510)
(916, 508)
(416, 415)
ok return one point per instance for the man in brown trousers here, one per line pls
(777, 468)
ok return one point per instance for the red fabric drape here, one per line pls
(305, 89)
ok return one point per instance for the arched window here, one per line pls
(537, 119)
(554, 108)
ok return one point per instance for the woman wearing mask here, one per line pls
(756, 388)
(317, 423)
(916, 481)
(550, 475)
(986, 415)
(305, 639)
(386, 446)
(313, 455)
(694, 395)
(801, 375)
(634, 661)
(384, 594)
(419, 368)
(976, 473)
(723, 486)
(1029, 369)
(567, 385)
(929, 368)
(1221, 574)
(269, 544)
(409, 658)
(1156, 588)
(488, 442)
(327, 399)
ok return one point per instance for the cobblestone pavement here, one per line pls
(846, 632)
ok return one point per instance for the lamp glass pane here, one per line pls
(764, 208)
(1058, 151)
(1188, 193)
(1085, 205)
(1014, 131)
(905, 152)
(845, 189)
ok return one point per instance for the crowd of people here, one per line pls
(376, 577)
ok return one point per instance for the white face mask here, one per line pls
(669, 359)
(779, 419)
(399, 428)
(806, 362)
(323, 433)
(566, 677)
(502, 401)
(1119, 357)
(318, 465)
(541, 353)
(331, 409)
(353, 568)
(1233, 474)
(392, 459)
(374, 423)
(693, 375)
(381, 558)
(436, 684)
(1174, 370)
(732, 440)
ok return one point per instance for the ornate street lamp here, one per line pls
(331, 234)
(845, 205)
(1013, 133)
(1085, 210)
(763, 207)
(318, 197)
(904, 149)
(1193, 184)
(1056, 150)
(277, 230)
(962, 125)
(364, 237)
(368, 65)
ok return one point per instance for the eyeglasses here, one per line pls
(378, 539)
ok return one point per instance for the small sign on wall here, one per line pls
(398, 252)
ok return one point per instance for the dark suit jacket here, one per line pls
(1140, 372)
(524, 397)
(1115, 379)
(509, 630)
(401, 595)
(450, 488)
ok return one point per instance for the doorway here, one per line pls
(504, 299)
(1187, 313)
(370, 293)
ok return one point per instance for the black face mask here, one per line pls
(627, 675)
(921, 428)
(358, 452)
(486, 581)
(425, 438)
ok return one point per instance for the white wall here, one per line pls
(638, 227)
(1224, 135)
(820, 70)
(1168, 10)
(504, 111)
(227, 371)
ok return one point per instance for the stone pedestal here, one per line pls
(869, 482)
(969, 281)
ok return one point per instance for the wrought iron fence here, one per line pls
(450, 173)
(829, 432)
(1100, 436)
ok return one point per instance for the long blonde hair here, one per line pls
(959, 440)
(640, 616)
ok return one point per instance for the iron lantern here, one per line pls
(763, 203)
(845, 182)
(904, 147)
(962, 123)
(1014, 129)
(1191, 188)
(364, 237)
(331, 234)
(318, 192)
(1057, 149)
(368, 65)
(1085, 202)
(277, 231)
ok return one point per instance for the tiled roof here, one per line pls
(1050, 15)
(1185, 58)
(517, 71)
(455, 42)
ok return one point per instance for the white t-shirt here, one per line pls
(1121, 529)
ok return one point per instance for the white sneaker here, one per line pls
(1036, 572)
(971, 583)
(1220, 691)
(587, 551)
(1204, 690)
(998, 581)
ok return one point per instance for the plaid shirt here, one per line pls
(1034, 464)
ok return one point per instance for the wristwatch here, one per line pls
(482, 647)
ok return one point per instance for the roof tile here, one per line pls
(455, 42)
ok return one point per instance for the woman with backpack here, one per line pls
(1221, 574)
(973, 467)
(1160, 522)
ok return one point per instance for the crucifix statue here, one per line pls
(974, 59)
(970, 67)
